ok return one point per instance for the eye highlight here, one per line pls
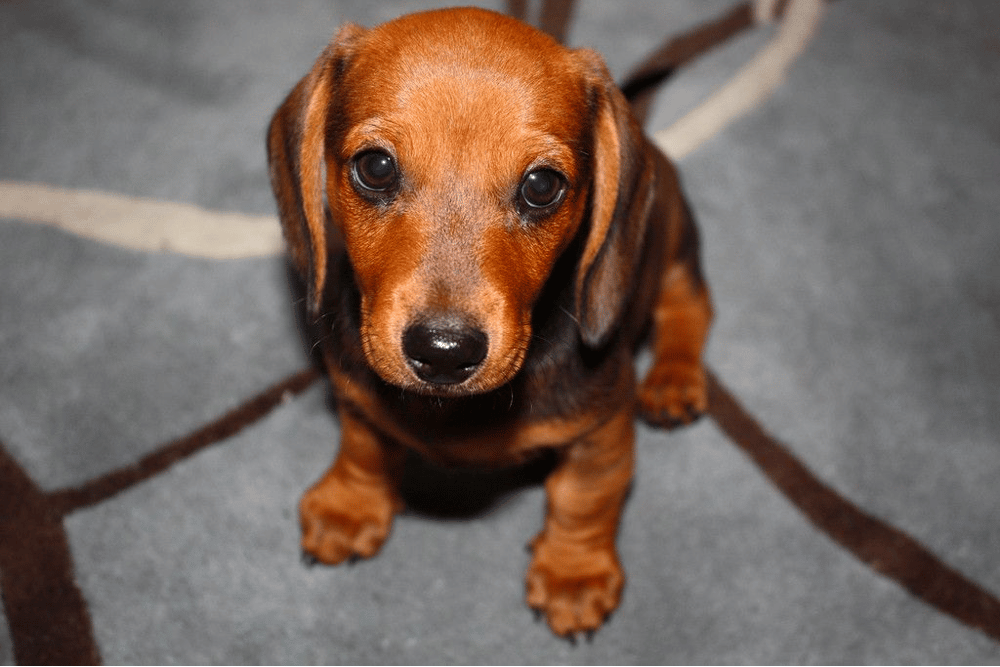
(374, 173)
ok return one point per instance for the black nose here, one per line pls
(444, 351)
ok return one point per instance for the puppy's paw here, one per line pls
(341, 523)
(674, 393)
(574, 587)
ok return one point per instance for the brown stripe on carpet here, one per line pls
(554, 17)
(518, 9)
(231, 423)
(641, 85)
(878, 545)
(46, 612)
(48, 617)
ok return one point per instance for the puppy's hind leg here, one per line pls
(675, 391)
(349, 512)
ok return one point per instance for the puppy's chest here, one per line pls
(494, 429)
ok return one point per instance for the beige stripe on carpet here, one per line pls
(142, 224)
(754, 83)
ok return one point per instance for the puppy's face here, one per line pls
(457, 174)
(459, 153)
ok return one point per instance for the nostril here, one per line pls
(443, 351)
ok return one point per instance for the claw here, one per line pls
(693, 414)
(670, 422)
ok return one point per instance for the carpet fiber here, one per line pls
(160, 415)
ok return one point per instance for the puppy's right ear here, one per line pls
(296, 161)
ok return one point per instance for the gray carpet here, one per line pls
(851, 240)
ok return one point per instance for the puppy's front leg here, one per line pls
(349, 512)
(575, 578)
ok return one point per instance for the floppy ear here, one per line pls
(621, 197)
(296, 161)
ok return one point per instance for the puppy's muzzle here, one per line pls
(444, 350)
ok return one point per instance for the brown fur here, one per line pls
(545, 305)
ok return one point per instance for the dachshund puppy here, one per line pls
(486, 236)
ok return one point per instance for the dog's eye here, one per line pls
(375, 171)
(542, 188)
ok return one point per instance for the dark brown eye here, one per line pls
(542, 188)
(375, 171)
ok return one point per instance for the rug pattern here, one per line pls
(159, 413)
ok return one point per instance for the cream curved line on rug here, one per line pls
(142, 224)
(753, 83)
(153, 226)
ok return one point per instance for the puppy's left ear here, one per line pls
(296, 161)
(623, 192)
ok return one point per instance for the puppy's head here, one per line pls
(459, 153)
